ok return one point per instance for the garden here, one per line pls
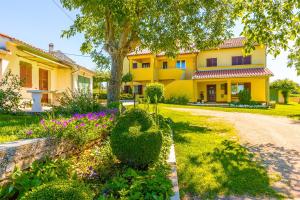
(118, 153)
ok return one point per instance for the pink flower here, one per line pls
(29, 132)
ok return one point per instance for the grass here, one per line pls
(291, 110)
(210, 161)
(10, 126)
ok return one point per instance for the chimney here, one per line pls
(51, 47)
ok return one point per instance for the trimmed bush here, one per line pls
(181, 100)
(244, 97)
(62, 189)
(134, 140)
(153, 91)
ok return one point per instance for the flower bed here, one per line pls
(79, 129)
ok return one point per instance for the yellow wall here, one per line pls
(60, 77)
(179, 82)
(224, 57)
(258, 88)
(180, 88)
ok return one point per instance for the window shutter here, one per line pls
(233, 59)
(26, 74)
(134, 65)
(208, 62)
(247, 60)
(248, 87)
(140, 89)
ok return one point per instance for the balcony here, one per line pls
(142, 74)
(171, 74)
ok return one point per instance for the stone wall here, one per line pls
(23, 153)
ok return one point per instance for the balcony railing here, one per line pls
(171, 73)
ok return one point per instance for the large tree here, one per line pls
(121, 26)
(274, 23)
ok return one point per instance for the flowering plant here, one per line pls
(80, 128)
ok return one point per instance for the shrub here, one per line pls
(79, 101)
(132, 184)
(135, 140)
(61, 189)
(126, 96)
(39, 172)
(153, 91)
(101, 96)
(181, 100)
(10, 96)
(244, 97)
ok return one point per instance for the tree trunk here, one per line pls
(114, 85)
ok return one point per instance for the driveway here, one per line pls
(275, 139)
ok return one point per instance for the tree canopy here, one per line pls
(121, 26)
(286, 86)
(274, 23)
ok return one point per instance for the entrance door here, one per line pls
(43, 83)
(211, 93)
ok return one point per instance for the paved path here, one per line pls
(275, 139)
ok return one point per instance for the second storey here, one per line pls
(147, 67)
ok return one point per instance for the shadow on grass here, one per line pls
(181, 128)
(296, 116)
(230, 170)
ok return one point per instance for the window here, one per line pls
(134, 65)
(26, 74)
(138, 89)
(145, 65)
(83, 83)
(127, 89)
(165, 65)
(240, 60)
(237, 87)
(210, 62)
(180, 64)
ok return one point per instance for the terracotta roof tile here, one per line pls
(230, 43)
(232, 73)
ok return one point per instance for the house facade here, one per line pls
(214, 75)
(39, 69)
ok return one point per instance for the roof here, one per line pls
(229, 43)
(55, 55)
(232, 73)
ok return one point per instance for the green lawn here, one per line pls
(210, 161)
(10, 126)
(291, 110)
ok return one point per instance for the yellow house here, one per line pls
(42, 70)
(214, 75)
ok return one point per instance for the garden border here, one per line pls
(173, 175)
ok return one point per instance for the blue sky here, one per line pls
(40, 22)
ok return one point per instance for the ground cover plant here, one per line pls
(11, 125)
(210, 161)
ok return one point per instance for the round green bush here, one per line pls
(134, 117)
(154, 90)
(60, 190)
(134, 140)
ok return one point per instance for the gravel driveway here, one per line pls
(275, 139)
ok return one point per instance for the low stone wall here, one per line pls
(23, 153)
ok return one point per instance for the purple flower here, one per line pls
(76, 127)
(42, 121)
(29, 132)
(96, 125)
(82, 124)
